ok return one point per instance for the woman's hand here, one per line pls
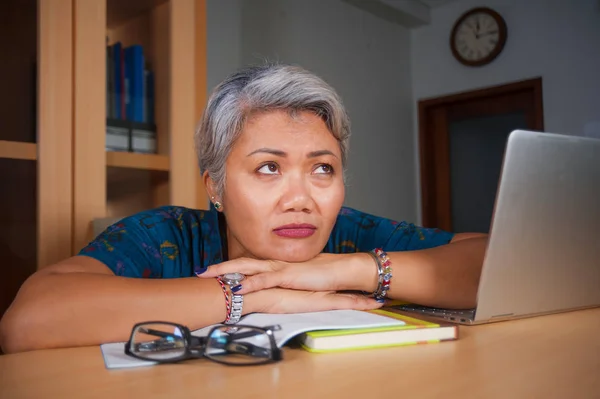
(325, 272)
(281, 300)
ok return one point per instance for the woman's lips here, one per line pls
(295, 230)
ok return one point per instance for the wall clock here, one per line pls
(478, 37)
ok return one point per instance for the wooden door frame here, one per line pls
(434, 142)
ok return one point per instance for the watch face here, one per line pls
(233, 278)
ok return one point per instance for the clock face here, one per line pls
(478, 37)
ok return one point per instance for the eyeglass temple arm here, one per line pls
(199, 341)
(164, 339)
(252, 333)
(158, 333)
(247, 349)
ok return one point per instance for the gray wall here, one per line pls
(365, 58)
(224, 39)
(558, 40)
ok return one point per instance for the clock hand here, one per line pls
(477, 29)
(492, 32)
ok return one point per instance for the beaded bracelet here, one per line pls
(386, 264)
(384, 273)
(226, 294)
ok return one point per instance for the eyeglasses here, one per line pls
(238, 345)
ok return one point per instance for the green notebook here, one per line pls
(413, 331)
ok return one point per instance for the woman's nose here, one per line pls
(296, 195)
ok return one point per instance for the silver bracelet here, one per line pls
(237, 303)
(379, 273)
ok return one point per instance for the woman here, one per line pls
(272, 147)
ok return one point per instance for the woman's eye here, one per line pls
(270, 168)
(324, 169)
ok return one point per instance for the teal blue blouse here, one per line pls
(172, 242)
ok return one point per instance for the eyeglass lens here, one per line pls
(239, 345)
(156, 341)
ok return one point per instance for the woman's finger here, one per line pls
(261, 281)
(245, 266)
(292, 277)
(353, 301)
(281, 300)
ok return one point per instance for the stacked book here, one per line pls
(129, 100)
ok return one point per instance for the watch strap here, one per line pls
(237, 304)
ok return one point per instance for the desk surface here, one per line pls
(554, 356)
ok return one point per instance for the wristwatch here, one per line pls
(237, 301)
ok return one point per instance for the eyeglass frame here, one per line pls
(192, 342)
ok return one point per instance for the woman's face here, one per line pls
(284, 187)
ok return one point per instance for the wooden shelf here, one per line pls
(18, 150)
(119, 11)
(135, 160)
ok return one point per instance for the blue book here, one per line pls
(118, 80)
(149, 97)
(134, 76)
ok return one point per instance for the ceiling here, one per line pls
(428, 3)
(435, 3)
(408, 13)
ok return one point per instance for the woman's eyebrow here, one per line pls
(271, 151)
(315, 154)
(283, 154)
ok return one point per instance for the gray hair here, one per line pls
(263, 88)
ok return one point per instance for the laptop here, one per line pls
(543, 253)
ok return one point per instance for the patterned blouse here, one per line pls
(172, 242)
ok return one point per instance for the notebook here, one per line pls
(413, 331)
(292, 325)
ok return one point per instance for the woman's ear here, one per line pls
(211, 190)
(209, 184)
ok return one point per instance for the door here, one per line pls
(462, 140)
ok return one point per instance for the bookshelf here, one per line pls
(18, 150)
(170, 33)
(56, 176)
(35, 142)
(134, 160)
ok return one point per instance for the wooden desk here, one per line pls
(555, 356)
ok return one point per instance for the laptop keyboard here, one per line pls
(461, 315)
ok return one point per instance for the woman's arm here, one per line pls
(80, 302)
(444, 276)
